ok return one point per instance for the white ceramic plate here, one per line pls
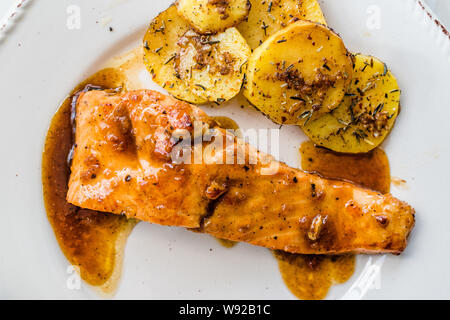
(41, 60)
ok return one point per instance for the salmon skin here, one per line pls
(123, 163)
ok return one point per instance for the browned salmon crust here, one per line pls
(122, 165)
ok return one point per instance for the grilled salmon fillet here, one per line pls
(123, 162)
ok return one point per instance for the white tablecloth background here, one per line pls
(440, 7)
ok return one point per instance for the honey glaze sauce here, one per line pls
(310, 277)
(227, 123)
(92, 241)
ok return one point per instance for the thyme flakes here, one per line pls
(200, 86)
(378, 109)
(264, 27)
(170, 59)
(385, 71)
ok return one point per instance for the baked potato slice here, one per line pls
(212, 16)
(366, 115)
(300, 72)
(269, 16)
(193, 67)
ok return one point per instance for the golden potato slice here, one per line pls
(366, 115)
(193, 67)
(302, 71)
(269, 16)
(211, 16)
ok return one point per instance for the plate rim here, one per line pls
(15, 19)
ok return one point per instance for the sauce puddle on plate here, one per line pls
(310, 277)
(92, 241)
(369, 170)
(227, 243)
